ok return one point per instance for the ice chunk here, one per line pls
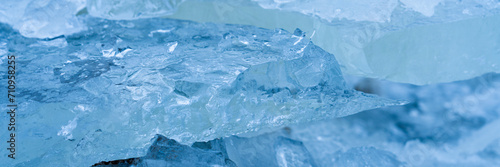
(390, 39)
(113, 87)
(418, 42)
(447, 124)
(43, 19)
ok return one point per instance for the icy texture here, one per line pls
(115, 86)
(42, 19)
(452, 39)
(452, 124)
(389, 39)
(131, 9)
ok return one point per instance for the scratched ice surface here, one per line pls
(102, 94)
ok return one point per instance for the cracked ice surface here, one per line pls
(113, 87)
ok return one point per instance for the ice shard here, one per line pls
(118, 84)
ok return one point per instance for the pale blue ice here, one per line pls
(252, 82)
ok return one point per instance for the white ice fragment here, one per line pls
(299, 38)
(183, 101)
(159, 31)
(122, 53)
(301, 50)
(59, 42)
(67, 129)
(244, 42)
(171, 46)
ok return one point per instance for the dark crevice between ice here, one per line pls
(168, 152)
(277, 148)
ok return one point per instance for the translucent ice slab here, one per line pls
(418, 42)
(411, 41)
